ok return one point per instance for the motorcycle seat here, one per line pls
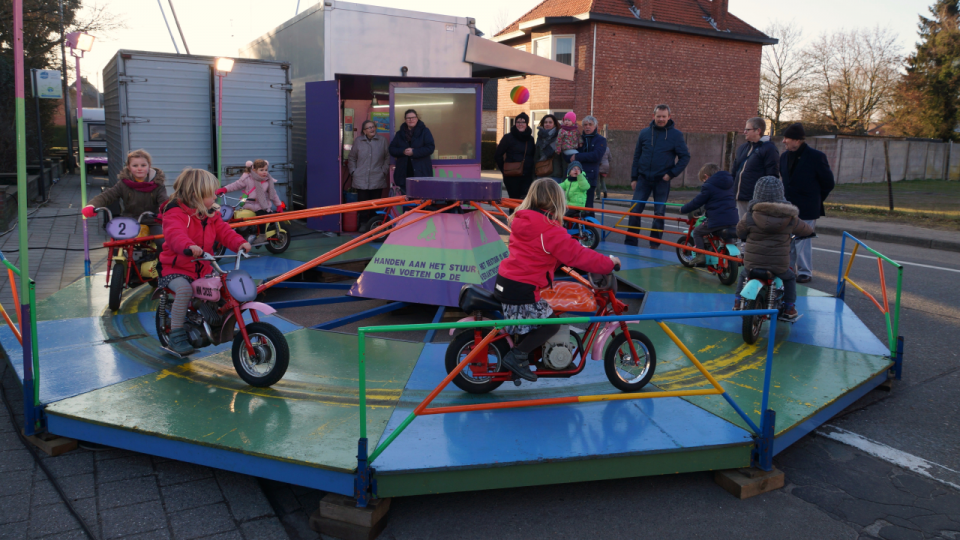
(474, 298)
(728, 235)
(761, 273)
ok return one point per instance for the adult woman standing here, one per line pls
(547, 132)
(514, 157)
(369, 163)
(412, 146)
(590, 153)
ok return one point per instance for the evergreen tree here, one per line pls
(927, 98)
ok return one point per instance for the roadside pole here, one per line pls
(28, 322)
(36, 100)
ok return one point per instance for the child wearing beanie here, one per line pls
(575, 187)
(767, 228)
(569, 138)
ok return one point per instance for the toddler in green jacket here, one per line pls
(575, 186)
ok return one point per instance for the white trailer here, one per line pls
(167, 104)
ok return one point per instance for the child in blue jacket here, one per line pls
(720, 203)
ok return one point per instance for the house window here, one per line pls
(507, 124)
(557, 48)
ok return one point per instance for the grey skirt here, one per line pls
(539, 310)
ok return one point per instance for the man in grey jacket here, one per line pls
(369, 164)
(756, 158)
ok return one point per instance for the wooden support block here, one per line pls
(339, 517)
(52, 445)
(748, 482)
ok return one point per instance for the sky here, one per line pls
(221, 27)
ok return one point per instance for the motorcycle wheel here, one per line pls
(459, 348)
(730, 269)
(589, 237)
(752, 325)
(686, 257)
(281, 242)
(373, 223)
(118, 277)
(271, 355)
(622, 371)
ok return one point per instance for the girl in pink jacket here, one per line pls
(190, 227)
(257, 184)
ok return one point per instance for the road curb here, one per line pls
(864, 234)
(861, 234)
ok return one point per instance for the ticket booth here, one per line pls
(352, 62)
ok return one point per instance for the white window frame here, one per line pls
(553, 46)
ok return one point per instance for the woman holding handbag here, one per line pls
(515, 157)
(549, 162)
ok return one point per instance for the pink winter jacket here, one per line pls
(257, 199)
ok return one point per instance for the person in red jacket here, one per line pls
(190, 228)
(538, 246)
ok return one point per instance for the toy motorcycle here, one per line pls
(275, 238)
(629, 363)
(723, 242)
(763, 290)
(260, 350)
(132, 263)
(585, 234)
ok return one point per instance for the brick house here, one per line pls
(630, 55)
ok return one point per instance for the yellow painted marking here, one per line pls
(225, 434)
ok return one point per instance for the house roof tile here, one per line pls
(692, 13)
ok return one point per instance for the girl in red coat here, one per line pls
(190, 228)
(538, 245)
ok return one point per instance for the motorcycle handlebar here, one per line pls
(107, 210)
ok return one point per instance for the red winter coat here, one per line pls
(538, 246)
(182, 229)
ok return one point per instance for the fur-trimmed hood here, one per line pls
(774, 217)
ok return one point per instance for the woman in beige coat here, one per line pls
(369, 164)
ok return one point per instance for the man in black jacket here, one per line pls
(756, 158)
(661, 155)
(807, 180)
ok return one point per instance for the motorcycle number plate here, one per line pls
(241, 286)
(226, 212)
(123, 228)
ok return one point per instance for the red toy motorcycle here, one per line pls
(629, 363)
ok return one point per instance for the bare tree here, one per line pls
(501, 20)
(853, 76)
(782, 72)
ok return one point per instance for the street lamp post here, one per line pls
(80, 43)
(222, 68)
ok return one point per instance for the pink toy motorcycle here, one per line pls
(260, 350)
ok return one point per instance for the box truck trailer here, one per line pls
(167, 104)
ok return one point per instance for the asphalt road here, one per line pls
(833, 490)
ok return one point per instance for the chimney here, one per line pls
(718, 10)
(644, 9)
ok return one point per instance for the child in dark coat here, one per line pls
(767, 228)
(720, 204)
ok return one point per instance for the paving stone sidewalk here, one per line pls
(119, 494)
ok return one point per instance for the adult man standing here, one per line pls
(807, 180)
(756, 158)
(661, 155)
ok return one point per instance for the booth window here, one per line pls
(557, 48)
(450, 113)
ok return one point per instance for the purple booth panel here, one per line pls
(454, 189)
(323, 151)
